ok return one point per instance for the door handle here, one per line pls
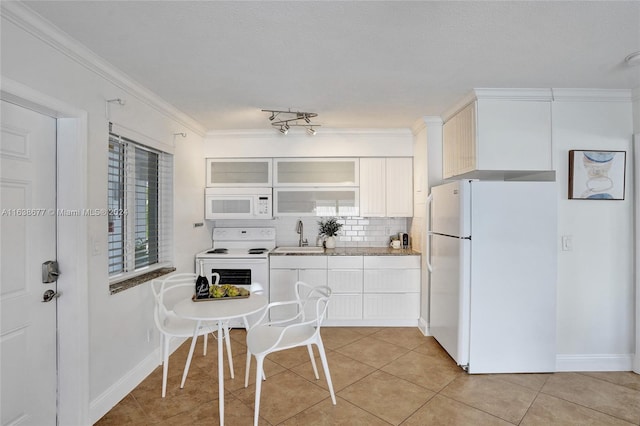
(428, 241)
(49, 295)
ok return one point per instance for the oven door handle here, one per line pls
(219, 261)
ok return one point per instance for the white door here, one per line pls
(28, 225)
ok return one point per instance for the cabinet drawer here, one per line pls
(345, 306)
(391, 281)
(344, 262)
(345, 280)
(391, 306)
(298, 262)
(399, 262)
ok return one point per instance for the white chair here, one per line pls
(167, 293)
(258, 289)
(303, 329)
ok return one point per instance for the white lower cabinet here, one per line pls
(285, 271)
(345, 281)
(391, 288)
(366, 290)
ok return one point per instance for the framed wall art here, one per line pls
(596, 175)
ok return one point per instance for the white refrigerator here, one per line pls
(493, 274)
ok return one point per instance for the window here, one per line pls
(140, 207)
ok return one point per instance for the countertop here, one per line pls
(357, 251)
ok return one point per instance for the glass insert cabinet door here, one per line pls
(336, 201)
(316, 171)
(239, 172)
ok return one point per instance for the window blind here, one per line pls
(140, 201)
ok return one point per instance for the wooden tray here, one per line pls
(206, 299)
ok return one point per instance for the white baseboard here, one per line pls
(121, 388)
(594, 362)
(423, 325)
(371, 323)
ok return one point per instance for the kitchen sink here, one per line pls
(306, 249)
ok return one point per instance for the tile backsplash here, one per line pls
(355, 232)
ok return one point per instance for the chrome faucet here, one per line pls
(300, 230)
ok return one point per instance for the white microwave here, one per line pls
(238, 203)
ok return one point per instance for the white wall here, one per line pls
(636, 142)
(326, 143)
(119, 353)
(595, 278)
(427, 132)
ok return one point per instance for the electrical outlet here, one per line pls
(149, 333)
(387, 230)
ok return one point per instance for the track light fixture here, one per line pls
(288, 119)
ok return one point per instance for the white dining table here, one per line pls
(220, 311)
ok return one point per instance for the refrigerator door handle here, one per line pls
(429, 267)
(429, 199)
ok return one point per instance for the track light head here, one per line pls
(284, 130)
(311, 131)
(273, 115)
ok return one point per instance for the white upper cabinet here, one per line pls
(373, 181)
(316, 172)
(325, 201)
(459, 143)
(498, 135)
(399, 187)
(386, 187)
(239, 172)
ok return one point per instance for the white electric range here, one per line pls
(240, 256)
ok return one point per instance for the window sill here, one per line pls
(137, 280)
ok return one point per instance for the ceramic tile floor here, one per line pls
(381, 376)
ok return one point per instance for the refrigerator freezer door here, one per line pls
(513, 277)
(449, 209)
(449, 310)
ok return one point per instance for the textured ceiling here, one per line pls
(355, 63)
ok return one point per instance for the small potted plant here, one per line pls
(329, 228)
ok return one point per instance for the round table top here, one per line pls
(218, 310)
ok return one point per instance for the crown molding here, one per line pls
(498, 94)
(28, 20)
(543, 95)
(321, 131)
(424, 122)
(458, 106)
(592, 95)
(513, 94)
